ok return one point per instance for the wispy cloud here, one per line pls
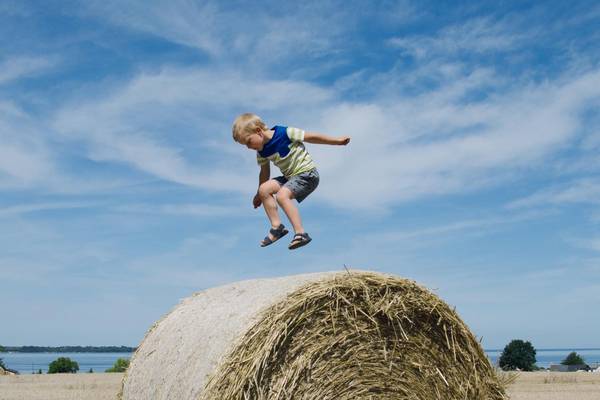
(480, 226)
(433, 143)
(14, 68)
(470, 146)
(196, 210)
(577, 192)
(478, 35)
(25, 159)
(30, 208)
(589, 243)
(136, 124)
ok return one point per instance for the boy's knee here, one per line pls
(284, 194)
(266, 189)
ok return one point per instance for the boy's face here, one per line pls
(255, 141)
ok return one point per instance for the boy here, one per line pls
(283, 146)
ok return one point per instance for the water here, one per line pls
(26, 363)
(545, 357)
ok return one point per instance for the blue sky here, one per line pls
(473, 167)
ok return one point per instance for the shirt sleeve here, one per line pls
(295, 134)
(261, 160)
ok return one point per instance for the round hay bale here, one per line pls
(336, 335)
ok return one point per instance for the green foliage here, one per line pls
(119, 366)
(573, 359)
(2, 364)
(63, 365)
(518, 354)
(2, 349)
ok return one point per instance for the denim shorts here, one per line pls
(302, 184)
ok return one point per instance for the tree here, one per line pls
(63, 365)
(2, 349)
(518, 354)
(2, 364)
(119, 366)
(573, 359)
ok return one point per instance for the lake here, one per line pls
(26, 363)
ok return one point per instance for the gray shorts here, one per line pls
(302, 184)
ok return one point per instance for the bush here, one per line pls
(63, 365)
(2, 364)
(119, 366)
(573, 359)
(518, 355)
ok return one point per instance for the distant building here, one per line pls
(569, 368)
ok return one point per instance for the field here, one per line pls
(100, 386)
(97, 386)
(556, 386)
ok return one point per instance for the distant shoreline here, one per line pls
(558, 349)
(68, 349)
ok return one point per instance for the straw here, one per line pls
(357, 336)
(344, 335)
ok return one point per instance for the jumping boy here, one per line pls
(283, 146)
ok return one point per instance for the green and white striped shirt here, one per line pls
(286, 151)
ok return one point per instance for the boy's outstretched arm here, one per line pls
(263, 176)
(319, 138)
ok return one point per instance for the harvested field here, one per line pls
(97, 386)
(555, 386)
(100, 386)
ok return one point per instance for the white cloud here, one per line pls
(193, 209)
(181, 21)
(30, 208)
(577, 192)
(402, 147)
(140, 124)
(19, 67)
(25, 159)
(474, 35)
(259, 34)
(400, 152)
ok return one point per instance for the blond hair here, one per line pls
(245, 125)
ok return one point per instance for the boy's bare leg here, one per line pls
(266, 192)
(284, 198)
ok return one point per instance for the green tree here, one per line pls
(2, 349)
(518, 354)
(2, 364)
(119, 366)
(573, 359)
(63, 365)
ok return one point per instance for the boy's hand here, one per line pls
(256, 201)
(343, 140)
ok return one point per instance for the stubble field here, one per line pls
(101, 386)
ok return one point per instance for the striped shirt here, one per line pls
(286, 151)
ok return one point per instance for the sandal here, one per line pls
(277, 233)
(299, 240)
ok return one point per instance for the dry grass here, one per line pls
(100, 386)
(96, 386)
(357, 336)
(555, 386)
